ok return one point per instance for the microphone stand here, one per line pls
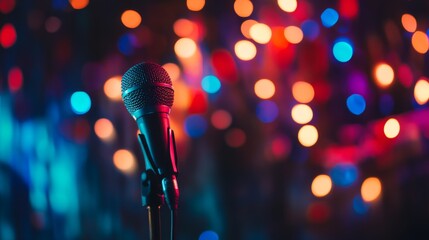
(152, 198)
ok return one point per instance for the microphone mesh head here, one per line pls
(145, 79)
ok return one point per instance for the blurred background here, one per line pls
(293, 119)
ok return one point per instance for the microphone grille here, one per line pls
(150, 84)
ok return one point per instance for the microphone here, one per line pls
(148, 96)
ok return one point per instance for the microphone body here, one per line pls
(148, 96)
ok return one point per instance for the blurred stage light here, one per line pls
(208, 235)
(260, 33)
(344, 174)
(245, 50)
(243, 8)
(173, 71)
(52, 24)
(104, 129)
(348, 9)
(80, 102)
(267, 111)
(329, 17)
(421, 91)
(409, 22)
(383, 74)
(235, 137)
(371, 189)
(185, 47)
(386, 104)
(342, 50)
(359, 205)
(195, 5)
(112, 88)
(391, 128)
(125, 161)
(126, 43)
(303, 92)
(6, 6)
(7, 35)
(221, 119)
(293, 34)
(131, 19)
(15, 79)
(302, 113)
(287, 5)
(195, 126)
(245, 27)
(356, 104)
(210, 84)
(308, 135)
(78, 4)
(420, 42)
(310, 29)
(405, 75)
(321, 185)
(264, 89)
(184, 27)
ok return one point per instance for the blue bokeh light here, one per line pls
(211, 84)
(356, 104)
(80, 102)
(329, 17)
(267, 111)
(344, 174)
(359, 206)
(343, 50)
(208, 235)
(310, 29)
(126, 44)
(195, 126)
(386, 104)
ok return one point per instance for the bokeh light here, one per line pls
(260, 33)
(310, 29)
(321, 185)
(371, 189)
(6, 6)
(243, 8)
(391, 128)
(245, 50)
(421, 91)
(52, 24)
(342, 50)
(80, 102)
(125, 161)
(208, 235)
(287, 5)
(211, 84)
(348, 9)
(195, 5)
(308, 135)
(195, 126)
(383, 74)
(78, 4)
(420, 42)
(7, 35)
(359, 206)
(303, 92)
(264, 88)
(267, 111)
(184, 27)
(302, 113)
(235, 137)
(245, 27)
(185, 47)
(173, 71)
(409, 22)
(293, 34)
(112, 88)
(344, 174)
(15, 79)
(104, 129)
(131, 19)
(329, 17)
(356, 104)
(221, 119)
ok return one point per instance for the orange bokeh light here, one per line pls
(420, 42)
(78, 4)
(131, 19)
(409, 22)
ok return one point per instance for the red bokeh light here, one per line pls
(7, 35)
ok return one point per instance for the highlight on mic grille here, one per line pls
(146, 88)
